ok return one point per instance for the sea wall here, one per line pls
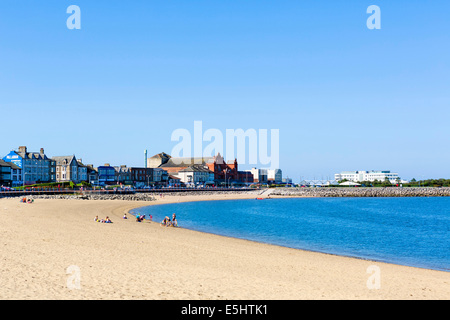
(362, 192)
(129, 197)
(144, 196)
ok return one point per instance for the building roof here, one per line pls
(161, 155)
(196, 168)
(9, 164)
(32, 155)
(185, 162)
(64, 159)
(122, 169)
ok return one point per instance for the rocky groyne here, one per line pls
(361, 192)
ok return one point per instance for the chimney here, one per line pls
(145, 157)
(41, 151)
(23, 149)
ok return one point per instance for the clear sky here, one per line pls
(343, 97)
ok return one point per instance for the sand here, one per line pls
(53, 249)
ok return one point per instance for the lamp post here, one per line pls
(225, 171)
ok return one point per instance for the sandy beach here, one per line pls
(48, 242)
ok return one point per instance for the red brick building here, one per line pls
(223, 171)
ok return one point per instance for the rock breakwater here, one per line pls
(362, 192)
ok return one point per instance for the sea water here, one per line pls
(406, 231)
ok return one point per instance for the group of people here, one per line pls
(107, 220)
(167, 222)
(25, 200)
(140, 218)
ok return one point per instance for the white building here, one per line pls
(358, 176)
(275, 175)
(196, 174)
(259, 175)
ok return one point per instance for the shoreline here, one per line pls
(128, 260)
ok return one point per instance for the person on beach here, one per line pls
(108, 220)
(165, 222)
(96, 219)
(174, 220)
(125, 216)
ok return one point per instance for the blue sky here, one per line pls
(343, 97)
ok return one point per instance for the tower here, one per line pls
(145, 154)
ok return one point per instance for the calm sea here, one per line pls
(406, 231)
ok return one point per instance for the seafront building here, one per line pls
(106, 174)
(274, 176)
(196, 174)
(10, 174)
(358, 176)
(68, 168)
(259, 175)
(204, 170)
(21, 167)
(36, 166)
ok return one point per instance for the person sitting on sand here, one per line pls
(125, 216)
(108, 220)
(165, 222)
(96, 219)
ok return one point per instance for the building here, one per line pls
(157, 160)
(245, 177)
(224, 172)
(259, 175)
(274, 176)
(82, 171)
(196, 174)
(160, 177)
(66, 168)
(10, 174)
(92, 174)
(174, 165)
(174, 181)
(141, 176)
(36, 167)
(5, 174)
(359, 176)
(123, 175)
(106, 174)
